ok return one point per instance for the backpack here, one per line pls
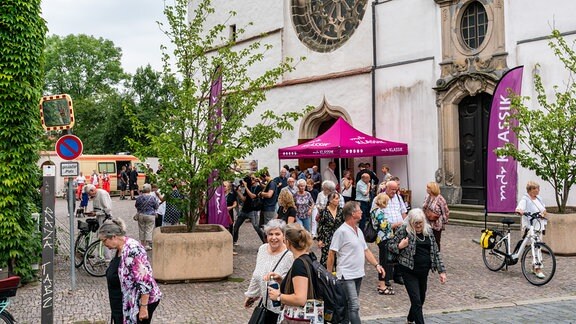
(330, 290)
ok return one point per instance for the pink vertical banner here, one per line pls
(501, 171)
(217, 211)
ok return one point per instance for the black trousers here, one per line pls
(416, 283)
(383, 260)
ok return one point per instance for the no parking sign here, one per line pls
(69, 147)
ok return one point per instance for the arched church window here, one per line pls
(474, 25)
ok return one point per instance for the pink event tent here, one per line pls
(343, 141)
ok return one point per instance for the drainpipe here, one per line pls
(374, 76)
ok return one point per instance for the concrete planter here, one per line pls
(560, 233)
(204, 255)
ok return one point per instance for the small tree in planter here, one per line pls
(198, 137)
(549, 134)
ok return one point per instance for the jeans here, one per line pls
(305, 222)
(365, 207)
(416, 283)
(242, 216)
(352, 288)
(268, 216)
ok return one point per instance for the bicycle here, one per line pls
(537, 259)
(84, 239)
(8, 289)
(96, 259)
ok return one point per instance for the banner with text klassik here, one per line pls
(501, 171)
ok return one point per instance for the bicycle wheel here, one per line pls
(538, 266)
(95, 261)
(5, 317)
(495, 258)
(79, 249)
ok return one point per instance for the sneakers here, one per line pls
(538, 273)
(236, 244)
(148, 248)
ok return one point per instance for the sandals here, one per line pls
(386, 291)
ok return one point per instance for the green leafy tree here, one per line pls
(22, 33)
(147, 99)
(90, 71)
(548, 134)
(198, 138)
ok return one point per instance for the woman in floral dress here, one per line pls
(385, 233)
(132, 290)
(329, 220)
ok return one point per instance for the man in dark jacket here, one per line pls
(133, 182)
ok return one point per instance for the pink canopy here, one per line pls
(343, 141)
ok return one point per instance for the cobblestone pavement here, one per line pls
(472, 293)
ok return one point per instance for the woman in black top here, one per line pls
(418, 253)
(231, 203)
(114, 290)
(298, 241)
(287, 208)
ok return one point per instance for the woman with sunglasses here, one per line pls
(417, 254)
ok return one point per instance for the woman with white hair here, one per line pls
(273, 257)
(146, 205)
(418, 253)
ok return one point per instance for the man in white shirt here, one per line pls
(395, 212)
(291, 187)
(329, 174)
(350, 249)
(101, 202)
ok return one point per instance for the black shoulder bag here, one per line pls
(259, 313)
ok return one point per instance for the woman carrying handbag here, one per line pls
(436, 210)
(273, 258)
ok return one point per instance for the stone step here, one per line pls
(471, 215)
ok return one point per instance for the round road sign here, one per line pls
(69, 147)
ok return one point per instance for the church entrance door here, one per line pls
(473, 117)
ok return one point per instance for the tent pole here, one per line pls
(339, 172)
(407, 174)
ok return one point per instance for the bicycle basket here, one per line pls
(92, 224)
(83, 226)
(487, 239)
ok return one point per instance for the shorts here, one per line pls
(133, 186)
(123, 186)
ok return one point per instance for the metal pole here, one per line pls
(48, 234)
(71, 199)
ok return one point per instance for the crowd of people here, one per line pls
(310, 207)
(291, 213)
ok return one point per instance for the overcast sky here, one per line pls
(130, 24)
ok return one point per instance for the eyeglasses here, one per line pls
(103, 240)
(418, 223)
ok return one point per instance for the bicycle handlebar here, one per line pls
(533, 215)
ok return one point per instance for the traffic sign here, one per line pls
(69, 169)
(69, 147)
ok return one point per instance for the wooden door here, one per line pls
(473, 120)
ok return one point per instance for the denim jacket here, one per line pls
(406, 255)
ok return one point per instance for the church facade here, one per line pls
(421, 72)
